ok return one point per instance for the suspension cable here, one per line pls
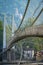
(37, 17)
(32, 15)
(23, 15)
(37, 7)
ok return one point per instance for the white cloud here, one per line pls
(18, 14)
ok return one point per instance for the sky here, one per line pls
(17, 8)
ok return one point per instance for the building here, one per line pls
(28, 53)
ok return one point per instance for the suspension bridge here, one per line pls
(32, 31)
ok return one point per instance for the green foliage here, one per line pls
(38, 43)
(1, 25)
